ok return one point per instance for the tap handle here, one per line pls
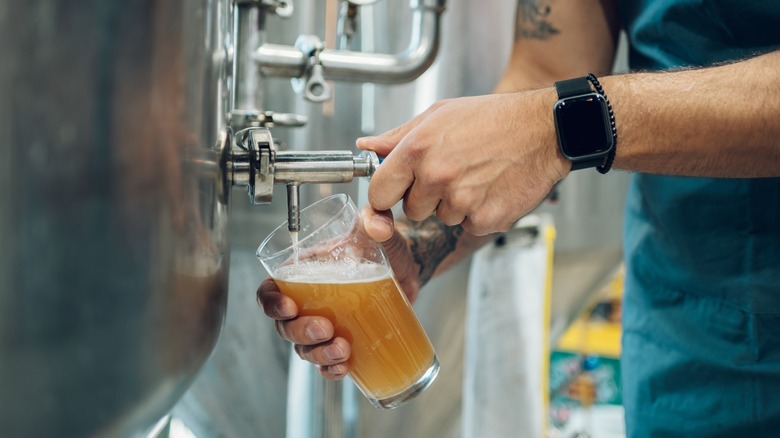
(366, 164)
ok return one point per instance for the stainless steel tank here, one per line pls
(115, 251)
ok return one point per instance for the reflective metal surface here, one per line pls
(406, 65)
(113, 278)
(256, 165)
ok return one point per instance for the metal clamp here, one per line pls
(312, 84)
(251, 164)
(242, 119)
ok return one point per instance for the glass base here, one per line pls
(411, 392)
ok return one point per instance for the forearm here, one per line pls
(720, 122)
(437, 247)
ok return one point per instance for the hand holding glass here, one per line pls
(337, 271)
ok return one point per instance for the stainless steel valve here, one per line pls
(255, 164)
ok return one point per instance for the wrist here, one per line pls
(558, 165)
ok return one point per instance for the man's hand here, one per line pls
(481, 162)
(313, 336)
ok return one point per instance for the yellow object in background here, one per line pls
(592, 337)
(585, 370)
(598, 330)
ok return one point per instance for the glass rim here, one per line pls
(345, 199)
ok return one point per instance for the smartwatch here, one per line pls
(583, 123)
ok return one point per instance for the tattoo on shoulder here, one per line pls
(532, 20)
(431, 243)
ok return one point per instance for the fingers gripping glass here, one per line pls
(337, 271)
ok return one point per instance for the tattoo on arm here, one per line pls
(431, 243)
(532, 21)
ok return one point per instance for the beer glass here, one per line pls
(337, 271)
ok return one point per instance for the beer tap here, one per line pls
(250, 159)
(255, 164)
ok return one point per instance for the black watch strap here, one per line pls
(585, 164)
(577, 87)
(573, 87)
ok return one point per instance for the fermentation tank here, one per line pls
(115, 251)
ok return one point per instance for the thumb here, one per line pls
(378, 224)
(380, 227)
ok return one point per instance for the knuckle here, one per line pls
(479, 224)
(459, 204)
(449, 215)
(265, 295)
(334, 372)
(450, 221)
(324, 354)
(468, 226)
(410, 206)
(415, 150)
(306, 352)
(442, 176)
(337, 371)
(281, 329)
(413, 212)
(293, 330)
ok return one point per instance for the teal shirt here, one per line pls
(701, 321)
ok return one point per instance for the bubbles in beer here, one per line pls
(312, 271)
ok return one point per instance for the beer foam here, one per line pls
(332, 272)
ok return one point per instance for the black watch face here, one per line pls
(583, 126)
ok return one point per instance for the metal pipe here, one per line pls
(248, 26)
(288, 61)
(293, 207)
(317, 167)
(314, 167)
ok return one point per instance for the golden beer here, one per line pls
(390, 351)
(331, 268)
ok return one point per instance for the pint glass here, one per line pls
(337, 271)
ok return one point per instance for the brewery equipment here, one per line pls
(113, 284)
(310, 65)
(257, 165)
